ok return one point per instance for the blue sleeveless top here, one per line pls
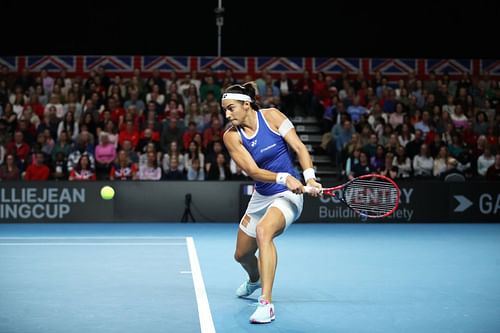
(270, 152)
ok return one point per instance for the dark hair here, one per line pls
(249, 89)
(78, 166)
(401, 158)
(484, 114)
(195, 154)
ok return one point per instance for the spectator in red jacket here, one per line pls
(213, 133)
(39, 170)
(18, 147)
(188, 135)
(129, 133)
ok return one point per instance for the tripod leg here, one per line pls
(191, 215)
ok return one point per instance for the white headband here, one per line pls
(237, 97)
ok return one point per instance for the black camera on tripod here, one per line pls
(187, 209)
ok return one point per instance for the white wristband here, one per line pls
(281, 177)
(309, 174)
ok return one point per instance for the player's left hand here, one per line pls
(294, 185)
(313, 183)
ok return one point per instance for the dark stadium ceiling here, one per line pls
(254, 28)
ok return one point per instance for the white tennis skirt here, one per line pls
(289, 203)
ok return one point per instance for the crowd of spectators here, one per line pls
(102, 127)
(432, 128)
(148, 127)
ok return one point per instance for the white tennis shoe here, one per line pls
(264, 313)
(247, 288)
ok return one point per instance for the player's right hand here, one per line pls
(316, 186)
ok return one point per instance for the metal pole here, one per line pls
(219, 20)
(219, 40)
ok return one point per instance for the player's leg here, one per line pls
(246, 246)
(280, 214)
(278, 217)
(271, 225)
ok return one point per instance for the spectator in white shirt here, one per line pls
(423, 163)
(54, 101)
(405, 135)
(150, 170)
(397, 118)
(440, 162)
(402, 162)
(458, 118)
(484, 161)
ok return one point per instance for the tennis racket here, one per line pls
(372, 195)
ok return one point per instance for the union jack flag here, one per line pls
(398, 67)
(10, 62)
(166, 64)
(220, 64)
(280, 64)
(109, 63)
(450, 66)
(51, 63)
(337, 65)
(393, 68)
(491, 67)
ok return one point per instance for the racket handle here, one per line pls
(310, 189)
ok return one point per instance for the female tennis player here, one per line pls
(258, 142)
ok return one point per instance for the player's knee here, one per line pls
(241, 257)
(238, 256)
(263, 234)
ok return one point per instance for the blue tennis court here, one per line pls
(174, 277)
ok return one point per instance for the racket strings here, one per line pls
(370, 200)
(372, 197)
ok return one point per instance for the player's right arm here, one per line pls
(245, 161)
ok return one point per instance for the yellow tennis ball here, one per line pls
(107, 192)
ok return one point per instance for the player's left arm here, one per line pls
(281, 124)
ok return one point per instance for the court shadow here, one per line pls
(250, 298)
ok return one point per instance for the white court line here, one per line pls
(86, 244)
(206, 321)
(90, 238)
(96, 237)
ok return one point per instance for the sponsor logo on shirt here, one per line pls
(268, 147)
